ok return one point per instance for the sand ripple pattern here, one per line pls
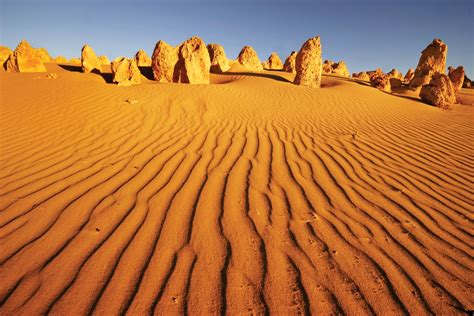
(250, 197)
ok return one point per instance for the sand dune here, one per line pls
(250, 195)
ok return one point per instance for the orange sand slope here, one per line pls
(249, 196)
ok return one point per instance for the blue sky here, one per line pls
(366, 34)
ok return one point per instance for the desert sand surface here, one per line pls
(250, 195)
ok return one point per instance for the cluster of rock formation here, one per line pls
(25, 59)
(437, 88)
(125, 72)
(219, 61)
(89, 60)
(309, 63)
(339, 68)
(248, 58)
(188, 63)
(273, 62)
(192, 61)
(142, 59)
(290, 63)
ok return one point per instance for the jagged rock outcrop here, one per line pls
(394, 73)
(439, 92)
(409, 75)
(361, 75)
(142, 58)
(219, 61)
(164, 60)
(43, 55)
(60, 60)
(432, 62)
(103, 60)
(309, 63)
(125, 72)
(290, 63)
(457, 77)
(5, 52)
(273, 62)
(188, 63)
(89, 60)
(339, 68)
(248, 58)
(75, 61)
(24, 59)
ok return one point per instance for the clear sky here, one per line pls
(366, 33)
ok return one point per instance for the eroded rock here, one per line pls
(248, 58)
(432, 62)
(89, 60)
(219, 61)
(24, 59)
(125, 72)
(439, 92)
(309, 63)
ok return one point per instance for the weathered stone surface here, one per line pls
(60, 60)
(274, 62)
(164, 60)
(75, 61)
(394, 73)
(104, 60)
(290, 63)
(248, 58)
(125, 72)
(439, 92)
(309, 63)
(219, 61)
(380, 80)
(89, 60)
(5, 52)
(194, 63)
(395, 82)
(188, 63)
(43, 55)
(361, 75)
(457, 77)
(142, 58)
(432, 62)
(339, 68)
(409, 75)
(24, 59)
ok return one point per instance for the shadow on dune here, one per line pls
(75, 68)
(255, 74)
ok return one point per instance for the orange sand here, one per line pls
(249, 196)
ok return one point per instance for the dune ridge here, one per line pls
(250, 196)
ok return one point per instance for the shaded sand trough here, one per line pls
(249, 196)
